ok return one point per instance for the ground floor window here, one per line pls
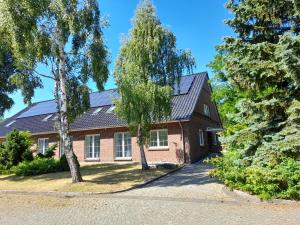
(201, 137)
(159, 138)
(123, 145)
(43, 144)
(92, 147)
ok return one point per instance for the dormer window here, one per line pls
(97, 111)
(111, 109)
(55, 117)
(206, 110)
(47, 117)
(11, 123)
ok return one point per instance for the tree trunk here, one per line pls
(64, 123)
(142, 151)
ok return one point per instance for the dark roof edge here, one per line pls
(102, 128)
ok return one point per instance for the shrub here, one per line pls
(279, 181)
(27, 156)
(49, 153)
(38, 166)
(14, 148)
(64, 163)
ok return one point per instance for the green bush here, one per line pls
(13, 150)
(276, 181)
(49, 153)
(64, 163)
(38, 166)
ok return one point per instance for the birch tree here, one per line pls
(66, 37)
(147, 68)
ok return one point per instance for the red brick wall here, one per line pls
(173, 154)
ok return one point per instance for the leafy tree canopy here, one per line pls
(147, 68)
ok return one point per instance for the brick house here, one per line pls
(99, 136)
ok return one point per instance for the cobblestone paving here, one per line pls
(188, 196)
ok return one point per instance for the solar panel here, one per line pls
(184, 86)
(98, 99)
(40, 108)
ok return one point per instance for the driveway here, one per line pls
(188, 196)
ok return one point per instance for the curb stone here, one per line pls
(244, 196)
(78, 194)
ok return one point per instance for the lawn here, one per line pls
(97, 178)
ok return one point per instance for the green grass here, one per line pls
(97, 178)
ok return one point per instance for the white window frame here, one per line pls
(10, 123)
(201, 137)
(47, 118)
(93, 147)
(123, 146)
(111, 109)
(96, 111)
(44, 146)
(206, 110)
(158, 141)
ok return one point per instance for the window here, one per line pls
(111, 109)
(158, 138)
(92, 147)
(206, 110)
(47, 117)
(214, 139)
(123, 145)
(43, 144)
(11, 123)
(201, 137)
(97, 111)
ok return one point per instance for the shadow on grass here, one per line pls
(106, 172)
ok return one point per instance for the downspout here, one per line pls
(182, 141)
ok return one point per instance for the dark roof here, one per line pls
(31, 118)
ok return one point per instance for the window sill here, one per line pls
(159, 148)
(92, 159)
(123, 159)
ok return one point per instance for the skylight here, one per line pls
(47, 117)
(97, 111)
(9, 124)
(111, 109)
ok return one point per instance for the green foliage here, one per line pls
(16, 148)
(279, 181)
(38, 166)
(64, 163)
(66, 36)
(49, 153)
(259, 71)
(147, 67)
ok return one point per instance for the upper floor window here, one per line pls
(201, 137)
(97, 111)
(43, 145)
(159, 138)
(206, 110)
(111, 109)
(92, 147)
(123, 145)
(11, 123)
(47, 117)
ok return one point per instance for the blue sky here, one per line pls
(197, 24)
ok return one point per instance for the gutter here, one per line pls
(98, 128)
(182, 140)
